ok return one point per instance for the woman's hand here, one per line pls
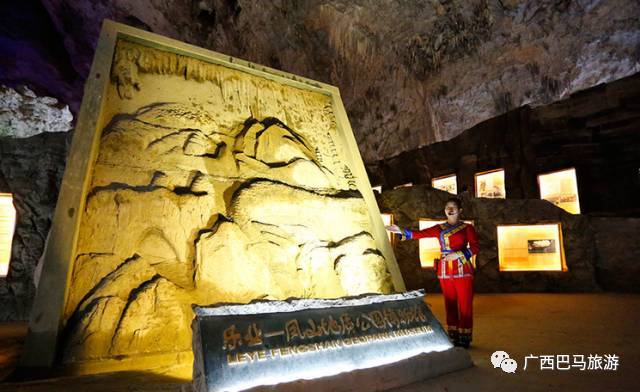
(450, 257)
(393, 229)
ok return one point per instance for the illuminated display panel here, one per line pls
(531, 248)
(561, 189)
(407, 185)
(491, 184)
(387, 220)
(429, 248)
(7, 224)
(447, 184)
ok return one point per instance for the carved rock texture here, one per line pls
(410, 73)
(210, 185)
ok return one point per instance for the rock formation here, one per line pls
(23, 114)
(594, 131)
(210, 185)
(31, 169)
(410, 73)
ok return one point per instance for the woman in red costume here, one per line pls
(458, 243)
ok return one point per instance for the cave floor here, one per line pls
(520, 324)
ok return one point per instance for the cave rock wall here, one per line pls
(410, 204)
(31, 170)
(411, 73)
(594, 131)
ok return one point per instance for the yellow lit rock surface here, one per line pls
(210, 185)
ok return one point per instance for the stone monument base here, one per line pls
(394, 375)
(364, 343)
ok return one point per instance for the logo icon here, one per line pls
(502, 360)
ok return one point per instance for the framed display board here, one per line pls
(490, 184)
(560, 188)
(536, 247)
(446, 183)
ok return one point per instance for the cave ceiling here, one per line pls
(410, 73)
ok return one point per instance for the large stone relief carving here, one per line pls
(210, 185)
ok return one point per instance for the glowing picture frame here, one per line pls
(7, 227)
(490, 184)
(446, 183)
(537, 247)
(429, 248)
(560, 188)
(387, 220)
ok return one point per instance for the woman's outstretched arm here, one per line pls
(407, 234)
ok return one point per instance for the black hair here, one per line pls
(455, 201)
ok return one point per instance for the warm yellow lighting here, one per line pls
(531, 248)
(282, 199)
(447, 184)
(491, 184)
(7, 224)
(407, 185)
(387, 219)
(429, 248)
(561, 189)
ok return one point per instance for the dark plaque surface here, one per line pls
(265, 343)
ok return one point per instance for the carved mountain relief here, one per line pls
(194, 205)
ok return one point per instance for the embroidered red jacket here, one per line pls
(453, 239)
